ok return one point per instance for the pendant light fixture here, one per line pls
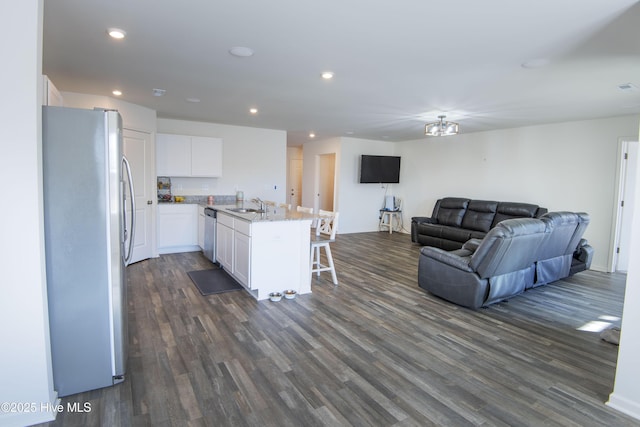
(441, 128)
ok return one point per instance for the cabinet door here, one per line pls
(224, 246)
(173, 155)
(201, 227)
(242, 258)
(206, 156)
(177, 226)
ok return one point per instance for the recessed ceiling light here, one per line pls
(117, 92)
(159, 92)
(117, 33)
(312, 135)
(241, 51)
(253, 110)
(327, 75)
(194, 100)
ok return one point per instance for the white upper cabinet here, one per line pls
(173, 155)
(206, 156)
(183, 155)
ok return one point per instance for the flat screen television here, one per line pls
(379, 169)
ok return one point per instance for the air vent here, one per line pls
(627, 87)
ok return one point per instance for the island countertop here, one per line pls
(273, 213)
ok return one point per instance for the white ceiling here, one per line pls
(397, 64)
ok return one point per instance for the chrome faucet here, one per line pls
(260, 203)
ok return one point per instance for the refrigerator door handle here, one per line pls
(127, 168)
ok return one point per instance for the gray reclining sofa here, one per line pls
(455, 220)
(515, 255)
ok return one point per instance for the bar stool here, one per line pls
(325, 235)
(304, 209)
(309, 211)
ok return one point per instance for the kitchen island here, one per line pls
(264, 251)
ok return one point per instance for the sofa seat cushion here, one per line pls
(443, 236)
(445, 232)
(479, 215)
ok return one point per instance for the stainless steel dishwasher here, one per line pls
(210, 234)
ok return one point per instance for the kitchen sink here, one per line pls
(246, 210)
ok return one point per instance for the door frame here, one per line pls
(620, 190)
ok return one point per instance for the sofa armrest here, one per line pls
(472, 244)
(584, 253)
(424, 219)
(419, 220)
(453, 259)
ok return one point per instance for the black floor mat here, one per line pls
(213, 281)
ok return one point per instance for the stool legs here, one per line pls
(317, 267)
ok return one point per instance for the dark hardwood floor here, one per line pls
(375, 350)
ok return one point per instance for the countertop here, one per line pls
(272, 214)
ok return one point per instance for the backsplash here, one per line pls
(203, 200)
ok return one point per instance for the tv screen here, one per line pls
(379, 169)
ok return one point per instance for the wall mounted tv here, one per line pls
(379, 169)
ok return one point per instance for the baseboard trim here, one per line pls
(624, 405)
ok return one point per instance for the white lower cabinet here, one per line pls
(201, 222)
(242, 258)
(265, 256)
(233, 250)
(224, 243)
(177, 228)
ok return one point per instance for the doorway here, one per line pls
(325, 181)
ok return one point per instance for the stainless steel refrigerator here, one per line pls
(86, 192)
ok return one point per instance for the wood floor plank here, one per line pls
(375, 350)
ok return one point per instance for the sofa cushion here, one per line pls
(451, 211)
(479, 215)
(456, 234)
(510, 210)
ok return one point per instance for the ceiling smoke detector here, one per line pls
(241, 51)
(159, 92)
(627, 87)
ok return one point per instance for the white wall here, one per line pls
(254, 160)
(25, 359)
(626, 396)
(360, 204)
(565, 166)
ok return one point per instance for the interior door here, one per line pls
(295, 182)
(137, 149)
(326, 181)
